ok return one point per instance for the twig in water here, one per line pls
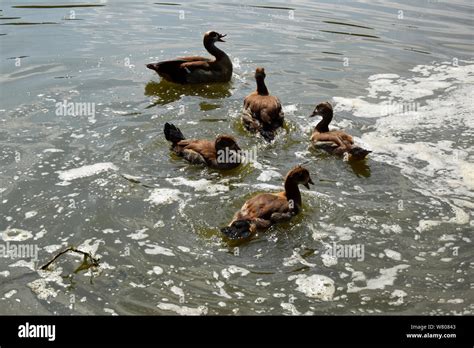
(88, 261)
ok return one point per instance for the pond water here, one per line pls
(400, 74)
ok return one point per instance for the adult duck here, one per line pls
(334, 141)
(266, 209)
(222, 153)
(190, 70)
(262, 112)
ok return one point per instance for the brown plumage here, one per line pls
(335, 141)
(265, 209)
(222, 153)
(262, 111)
(190, 70)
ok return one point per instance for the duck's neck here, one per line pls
(323, 125)
(261, 88)
(292, 192)
(212, 49)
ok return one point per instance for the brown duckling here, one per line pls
(222, 153)
(262, 112)
(340, 143)
(265, 209)
(189, 70)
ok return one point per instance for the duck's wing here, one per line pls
(262, 206)
(343, 136)
(266, 108)
(176, 70)
(330, 137)
(249, 121)
(204, 148)
(194, 59)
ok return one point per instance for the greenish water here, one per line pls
(400, 76)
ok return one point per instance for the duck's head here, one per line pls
(213, 36)
(226, 142)
(323, 109)
(260, 73)
(300, 175)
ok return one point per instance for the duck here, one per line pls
(193, 70)
(336, 142)
(265, 209)
(222, 153)
(262, 112)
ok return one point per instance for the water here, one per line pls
(401, 76)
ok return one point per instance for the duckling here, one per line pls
(341, 143)
(265, 209)
(222, 153)
(262, 111)
(190, 70)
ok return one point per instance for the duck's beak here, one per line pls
(315, 113)
(220, 37)
(309, 182)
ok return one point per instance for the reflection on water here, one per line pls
(168, 92)
(360, 168)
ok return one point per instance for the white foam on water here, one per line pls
(398, 295)
(5, 274)
(315, 286)
(53, 150)
(295, 259)
(182, 310)
(42, 290)
(155, 249)
(344, 233)
(30, 214)
(267, 187)
(184, 249)
(222, 292)
(85, 171)
(199, 185)
(52, 248)
(138, 234)
(227, 272)
(157, 270)
(413, 113)
(177, 291)
(290, 308)
(40, 234)
(328, 260)
(394, 255)
(268, 174)
(10, 293)
(290, 109)
(161, 196)
(41, 286)
(89, 246)
(109, 231)
(110, 311)
(387, 277)
(16, 235)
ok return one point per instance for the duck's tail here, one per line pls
(358, 153)
(239, 229)
(172, 133)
